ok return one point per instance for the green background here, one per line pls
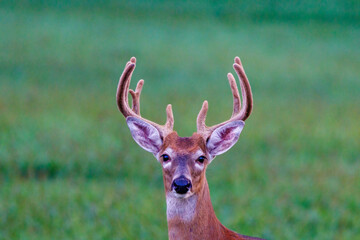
(69, 168)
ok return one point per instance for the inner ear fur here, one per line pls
(144, 134)
(224, 137)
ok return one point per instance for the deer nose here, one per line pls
(181, 185)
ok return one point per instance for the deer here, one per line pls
(184, 160)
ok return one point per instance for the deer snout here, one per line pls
(181, 185)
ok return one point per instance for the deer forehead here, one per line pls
(184, 145)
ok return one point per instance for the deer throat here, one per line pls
(181, 209)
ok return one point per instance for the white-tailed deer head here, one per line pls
(184, 159)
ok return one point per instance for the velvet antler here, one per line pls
(123, 102)
(238, 112)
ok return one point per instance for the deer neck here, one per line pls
(193, 217)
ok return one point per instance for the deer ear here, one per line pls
(144, 134)
(224, 137)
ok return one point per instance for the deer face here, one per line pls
(184, 159)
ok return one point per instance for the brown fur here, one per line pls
(184, 144)
(184, 147)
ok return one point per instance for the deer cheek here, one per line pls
(198, 182)
(167, 178)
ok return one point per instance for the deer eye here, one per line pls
(201, 159)
(165, 157)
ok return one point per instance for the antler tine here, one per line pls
(238, 112)
(235, 93)
(201, 126)
(169, 117)
(123, 105)
(136, 97)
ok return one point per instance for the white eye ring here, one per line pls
(166, 160)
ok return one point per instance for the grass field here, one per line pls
(69, 168)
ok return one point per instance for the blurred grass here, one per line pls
(70, 170)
